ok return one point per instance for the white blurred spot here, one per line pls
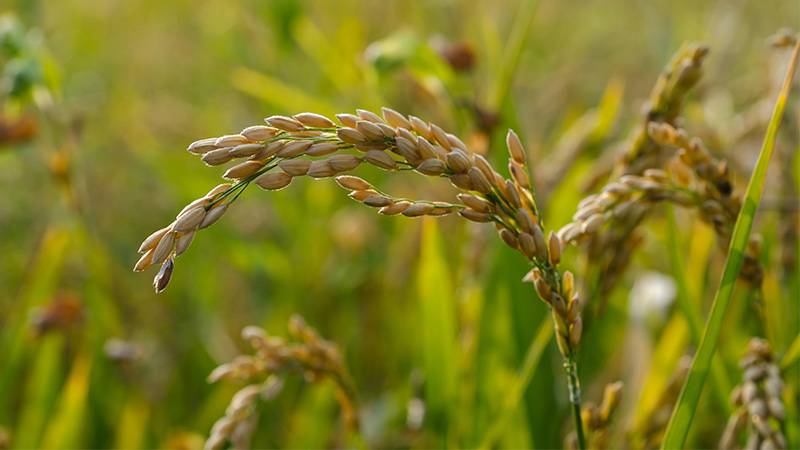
(651, 296)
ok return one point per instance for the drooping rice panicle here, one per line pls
(312, 145)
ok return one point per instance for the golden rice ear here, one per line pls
(308, 144)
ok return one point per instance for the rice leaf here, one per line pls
(689, 305)
(516, 390)
(276, 92)
(66, 429)
(513, 50)
(437, 329)
(682, 415)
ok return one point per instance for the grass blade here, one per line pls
(276, 92)
(516, 391)
(438, 330)
(689, 304)
(683, 413)
(513, 50)
(792, 355)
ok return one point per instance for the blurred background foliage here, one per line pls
(99, 99)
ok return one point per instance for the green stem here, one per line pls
(571, 368)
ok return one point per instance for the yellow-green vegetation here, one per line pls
(620, 271)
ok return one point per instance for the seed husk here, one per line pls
(295, 167)
(351, 135)
(213, 215)
(592, 224)
(322, 148)
(145, 261)
(377, 201)
(353, 183)
(314, 120)
(268, 151)
(395, 208)
(245, 150)
(273, 181)
(320, 169)
(368, 115)
(474, 202)
(231, 140)
(161, 280)
(183, 242)
(462, 181)
(344, 163)
(163, 248)
(380, 159)
(576, 331)
(259, 132)
(527, 244)
(407, 149)
(407, 134)
(541, 245)
(190, 219)
(202, 146)
(360, 196)
(519, 175)
(478, 181)
(440, 136)
(433, 167)
(395, 119)
(456, 142)
(388, 132)
(441, 211)
(420, 126)
(475, 216)
(284, 123)
(425, 149)
(458, 161)
(293, 149)
(509, 238)
(151, 241)
(370, 130)
(515, 148)
(568, 283)
(348, 120)
(483, 165)
(554, 247)
(525, 220)
(218, 156)
(243, 170)
(417, 209)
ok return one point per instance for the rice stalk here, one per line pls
(312, 145)
(597, 418)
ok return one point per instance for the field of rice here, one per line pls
(385, 224)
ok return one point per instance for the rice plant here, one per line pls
(527, 229)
